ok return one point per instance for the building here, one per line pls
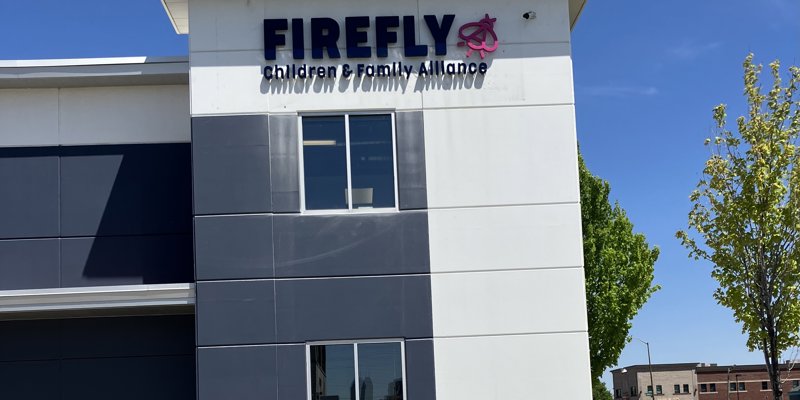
(326, 200)
(701, 381)
(671, 381)
(742, 382)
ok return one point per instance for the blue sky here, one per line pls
(647, 74)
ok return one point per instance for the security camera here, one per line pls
(529, 15)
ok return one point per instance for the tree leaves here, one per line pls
(746, 211)
(618, 267)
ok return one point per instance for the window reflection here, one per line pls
(372, 161)
(332, 372)
(324, 163)
(380, 371)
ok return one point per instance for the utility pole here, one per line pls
(737, 386)
(650, 366)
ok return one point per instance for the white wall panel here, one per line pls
(124, 114)
(239, 24)
(521, 74)
(551, 23)
(509, 302)
(550, 366)
(28, 117)
(228, 82)
(501, 156)
(520, 237)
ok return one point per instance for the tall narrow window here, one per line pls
(348, 162)
(377, 367)
(685, 388)
(712, 387)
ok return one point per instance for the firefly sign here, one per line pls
(478, 38)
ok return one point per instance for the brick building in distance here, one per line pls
(700, 381)
(742, 382)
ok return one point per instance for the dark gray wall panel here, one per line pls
(30, 380)
(30, 340)
(420, 372)
(29, 201)
(126, 190)
(348, 308)
(126, 337)
(233, 247)
(284, 163)
(355, 244)
(236, 312)
(134, 378)
(126, 260)
(412, 186)
(292, 372)
(29, 264)
(231, 164)
(241, 373)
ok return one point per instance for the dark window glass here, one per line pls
(764, 385)
(633, 390)
(712, 387)
(703, 388)
(325, 163)
(649, 390)
(659, 390)
(795, 384)
(733, 386)
(685, 388)
(677, 388)
(372, 161)
(332, 372)
(741, 387)
(380, 371)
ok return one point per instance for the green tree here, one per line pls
(600, 391)
(746, 211)
(618, 267)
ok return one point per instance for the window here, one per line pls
(618, 393)
(685, 388)
(703, 388)
(633, 391)
(649, 390)
(764, 385)
(348, 162)
(741, 387)
(377, 366)
(677, 389)
(732, 387)
(712, 387)
(795, 384)
(659, 390)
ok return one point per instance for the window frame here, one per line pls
(355, 344)
(301, 162)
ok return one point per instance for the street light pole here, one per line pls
(650, 367)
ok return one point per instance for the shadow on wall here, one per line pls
(126, 214)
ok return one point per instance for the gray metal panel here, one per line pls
(354, 244)
(233, 247)
(29, 340)
(131, 378)
(420, 372)
(29, 264)
(241, 373)
(29, 201)
(413, 192)
(292, 372)
(126, 337)
(284, 163)
(126, 189)
(348, 308)
(230, 157)
(237, 312)
(126, 260)
(30, 380)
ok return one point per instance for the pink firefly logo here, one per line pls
(475, 36)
